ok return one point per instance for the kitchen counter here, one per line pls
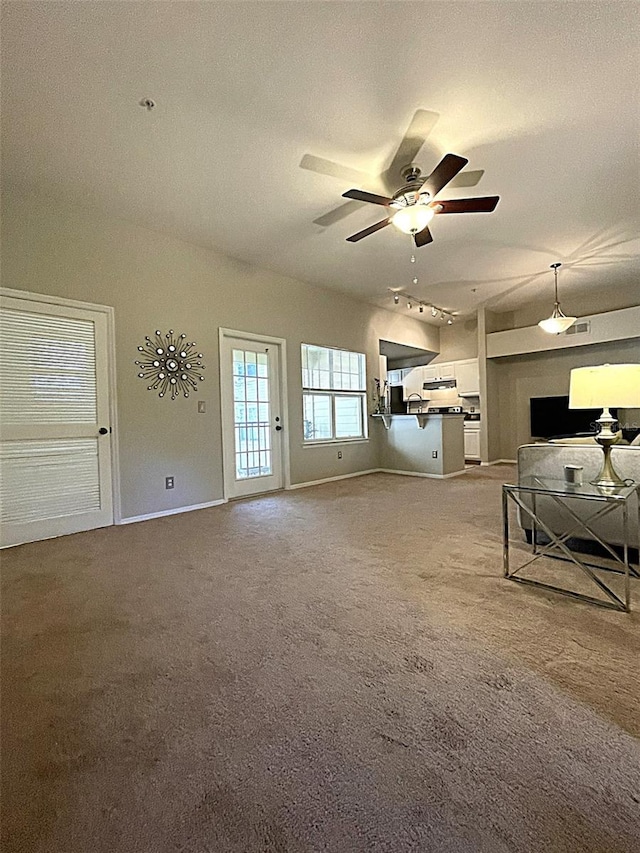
(421, 416)
(434, 450)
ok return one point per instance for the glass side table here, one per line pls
(605, 501)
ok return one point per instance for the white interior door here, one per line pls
(252, 419)
(55, 448)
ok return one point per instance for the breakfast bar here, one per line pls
(427, 444)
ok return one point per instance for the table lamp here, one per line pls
(604, 386)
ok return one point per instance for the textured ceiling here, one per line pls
(541, 96)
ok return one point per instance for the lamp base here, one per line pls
(608, 476)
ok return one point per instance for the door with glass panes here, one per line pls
(251, 415)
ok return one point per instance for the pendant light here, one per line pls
(557, 322)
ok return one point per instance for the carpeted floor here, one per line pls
(340, 668)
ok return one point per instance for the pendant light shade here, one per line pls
(558, 321)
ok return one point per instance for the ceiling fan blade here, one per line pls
(444, 172)
(338, 213)
(370, 230)
(423, 237)
(419, 129)
(334, 170)
(361, 195)
(467, 205)
(467, 179)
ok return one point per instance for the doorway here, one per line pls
(252, 383)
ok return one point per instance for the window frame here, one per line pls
(333, 394)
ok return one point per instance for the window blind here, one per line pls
(47, 369)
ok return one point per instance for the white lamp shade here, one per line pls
(604, 386)
(413, 218)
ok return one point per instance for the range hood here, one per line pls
(439, 383)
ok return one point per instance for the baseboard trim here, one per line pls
(132, 519)
(333, 479)
(422, 474)
(500, 462)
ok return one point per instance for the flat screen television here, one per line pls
(551, 417)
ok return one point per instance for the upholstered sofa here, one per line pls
(548, 461)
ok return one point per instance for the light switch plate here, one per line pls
(202, 407)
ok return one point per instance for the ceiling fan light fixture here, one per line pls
(558, 322)
(413, 218)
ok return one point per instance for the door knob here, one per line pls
(103, 430)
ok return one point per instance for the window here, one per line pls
(333, 394)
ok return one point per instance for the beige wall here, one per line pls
(154, 281)
(458, 341)
(546, 374)
(614, 298)
(491, 416)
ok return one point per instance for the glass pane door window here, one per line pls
(253, 428)
(252, 414)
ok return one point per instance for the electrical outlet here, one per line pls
(202, 407)
(168, 482)
(434, 454)
(339, 454)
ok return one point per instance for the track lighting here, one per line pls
(414, 302)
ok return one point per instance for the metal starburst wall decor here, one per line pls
(170, 364)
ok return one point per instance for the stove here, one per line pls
(445, 410)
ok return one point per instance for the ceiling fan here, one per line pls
(412, 207)
(417, 132)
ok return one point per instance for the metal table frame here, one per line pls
(607, 500)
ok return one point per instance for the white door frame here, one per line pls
(284, 401)
(109, 312)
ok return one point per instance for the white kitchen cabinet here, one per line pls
(472, 441)
(468, 378)
(440, 372)
(394, 378)
(466, 374)
(412, 384)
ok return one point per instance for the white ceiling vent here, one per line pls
(581, 327)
